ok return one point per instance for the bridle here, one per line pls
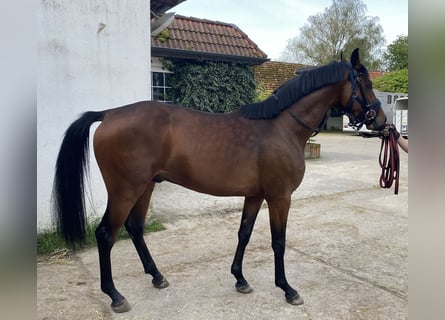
(368, 114)
(369, 111)
(389, 151)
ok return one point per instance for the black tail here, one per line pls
(68, 189)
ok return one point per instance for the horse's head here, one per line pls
(362, 108)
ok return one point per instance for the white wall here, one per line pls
(92, 55)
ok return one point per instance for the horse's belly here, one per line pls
(215, 182)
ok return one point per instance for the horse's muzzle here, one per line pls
(375, 124)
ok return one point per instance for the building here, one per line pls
(192, 38)
(92, 55)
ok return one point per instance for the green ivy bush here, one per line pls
(211, 86)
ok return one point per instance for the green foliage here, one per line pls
(340, 28)
(211, 86)
(50, 241)
(261, 93)
(163, 36)
(392, 82)
(396, 55)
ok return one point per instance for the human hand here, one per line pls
(387, 130)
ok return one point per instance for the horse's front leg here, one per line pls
(278, 212)
(250, 212)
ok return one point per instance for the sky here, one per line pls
(271, 23)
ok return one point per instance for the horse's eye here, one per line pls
(369, 84)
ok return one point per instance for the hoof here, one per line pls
(121, 306)
(296, 300)
(245, 288)
(161, 284)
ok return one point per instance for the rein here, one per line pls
(390, 162)
(389, 159)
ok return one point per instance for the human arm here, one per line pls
(403, 143)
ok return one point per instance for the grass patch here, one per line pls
(50, 241)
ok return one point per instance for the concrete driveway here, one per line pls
(346, 253)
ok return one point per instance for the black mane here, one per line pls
(299, 86)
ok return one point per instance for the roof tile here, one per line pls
(375, 74)
(188, 33)
(273, 74)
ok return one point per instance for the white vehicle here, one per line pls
(401, 116)
(387, 100)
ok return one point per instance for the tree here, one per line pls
(341, 28)
(396, 55)
(396, 81)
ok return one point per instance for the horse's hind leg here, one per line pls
(135, 227)
(278, 213)
(250, 212)
(106, 235)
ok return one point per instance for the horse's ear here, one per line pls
(355, 59)
(341, 56)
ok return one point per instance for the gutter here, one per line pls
(198, 55)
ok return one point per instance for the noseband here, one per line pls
(369, 112)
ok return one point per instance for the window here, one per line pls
(388, 99)
(159, 87)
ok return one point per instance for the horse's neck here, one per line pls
(311, 110)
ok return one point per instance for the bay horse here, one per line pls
(256, 151)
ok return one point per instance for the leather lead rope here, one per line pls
(390, 162)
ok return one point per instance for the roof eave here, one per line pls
(159, 7)
(188, 54)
